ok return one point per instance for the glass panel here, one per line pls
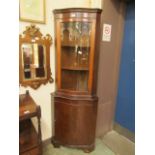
(40, 71)
(74, 80)
(75, 50)
(27, 59)
(34, 61)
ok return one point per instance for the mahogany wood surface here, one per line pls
(30, 142)
(75, 99)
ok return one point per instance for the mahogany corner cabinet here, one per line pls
(77, 32)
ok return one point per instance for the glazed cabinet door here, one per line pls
(75, 41)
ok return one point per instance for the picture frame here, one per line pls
(32, 11)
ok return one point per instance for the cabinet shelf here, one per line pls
(29, 141)
(72, 44)
(75, 68)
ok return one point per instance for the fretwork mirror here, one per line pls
(34, 58)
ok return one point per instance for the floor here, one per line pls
(119, 144)
(111, 144)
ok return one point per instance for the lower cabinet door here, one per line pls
(75, 122)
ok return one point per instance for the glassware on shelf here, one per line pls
(75, 56)
(76, 32)
(75, 39)
(84, 60)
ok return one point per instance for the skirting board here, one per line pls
(46, 142)
(125, 132)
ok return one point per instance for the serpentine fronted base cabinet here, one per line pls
(75, 100)
(75, 122)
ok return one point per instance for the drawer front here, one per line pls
(35, 151)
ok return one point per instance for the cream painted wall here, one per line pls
(96, 3)
(42, 94)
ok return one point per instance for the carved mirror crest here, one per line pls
(34, 58)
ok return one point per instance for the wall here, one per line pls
(113, 13)
(125, 109)
(42, 94)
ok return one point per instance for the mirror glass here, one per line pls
(34, 61)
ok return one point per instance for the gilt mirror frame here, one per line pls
(31, 36)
